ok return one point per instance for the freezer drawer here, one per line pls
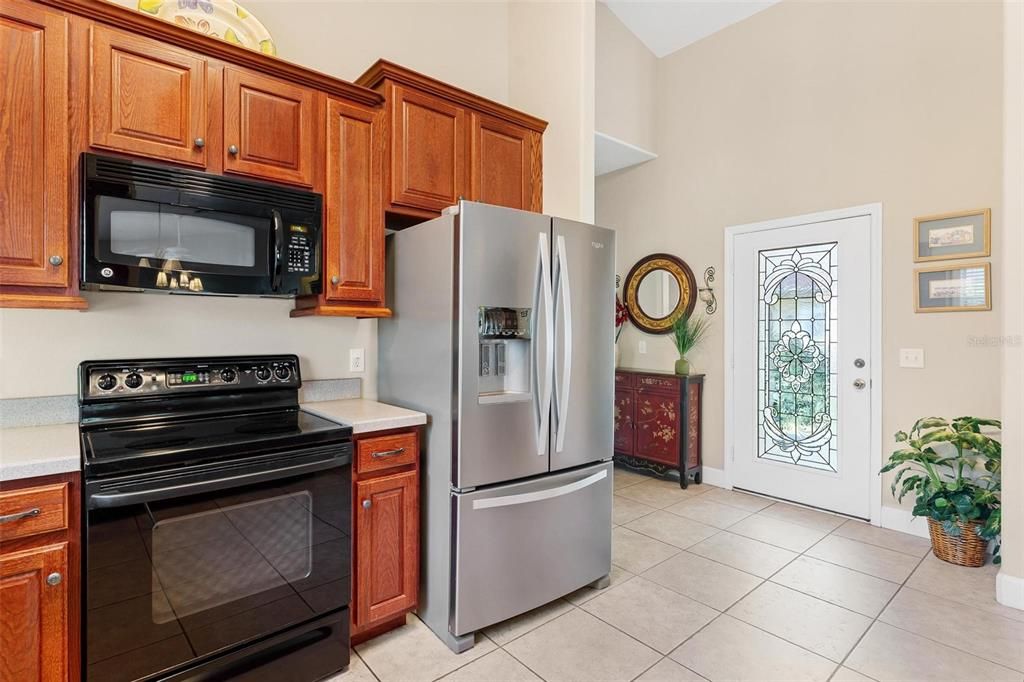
(522, 545)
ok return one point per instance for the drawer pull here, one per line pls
(388, 453)
(20, 515)
(54, 579)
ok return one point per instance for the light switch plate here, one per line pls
(356, 361)
(912, 357)
(641, 347)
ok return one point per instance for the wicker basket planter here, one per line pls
(966, 550)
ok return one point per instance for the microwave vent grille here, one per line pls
(123, 170)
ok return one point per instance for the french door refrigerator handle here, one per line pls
(542, 292)
(538, 495)
(562, 387)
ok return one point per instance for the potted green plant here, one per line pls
(953, 467)
(687, 332)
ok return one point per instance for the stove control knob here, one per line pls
(282, 372)
(133, 380)
(106, 382)
(227, 375)
(263, 373)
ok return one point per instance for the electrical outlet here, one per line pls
(641, 347)
(356, 362)
(912, 357)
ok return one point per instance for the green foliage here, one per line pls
(688, 331)
(953, 467)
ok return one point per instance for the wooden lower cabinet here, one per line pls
(39, 588)
(386, 532)
(658, 422)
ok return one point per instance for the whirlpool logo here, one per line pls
(597, 245)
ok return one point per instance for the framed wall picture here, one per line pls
(967, 234)
(945, 289)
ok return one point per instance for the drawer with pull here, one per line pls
(386, 452)
(32, 511)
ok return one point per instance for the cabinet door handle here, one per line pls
(199, 142)
(388, 453)
(54, 579)
(367, 504)
(335, 280)
(20, 515)
(233, 149)
(56, 260)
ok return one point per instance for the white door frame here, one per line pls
(874, 212)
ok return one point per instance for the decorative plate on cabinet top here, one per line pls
(222, 19)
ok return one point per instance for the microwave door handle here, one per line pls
(277, 245)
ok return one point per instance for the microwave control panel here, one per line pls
(300, 251)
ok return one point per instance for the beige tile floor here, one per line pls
(718, 585)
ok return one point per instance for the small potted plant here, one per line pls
(953, 467)
(687, 332)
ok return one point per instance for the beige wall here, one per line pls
(811, 106)
(551, 75)
(465, 43)
(1010, 585)
(626, 83)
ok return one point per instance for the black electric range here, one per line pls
(217, 523)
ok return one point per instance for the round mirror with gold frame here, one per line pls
(659, 290)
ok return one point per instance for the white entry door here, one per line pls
(801, 337)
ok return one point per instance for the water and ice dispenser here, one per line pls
(504, 354)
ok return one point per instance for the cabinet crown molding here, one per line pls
(383, 70)
(151, 27)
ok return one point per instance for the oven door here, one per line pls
(205, 571)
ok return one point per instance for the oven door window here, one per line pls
(146, 234)
(172, 581)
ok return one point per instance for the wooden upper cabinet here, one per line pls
(505, 164)
(269, 127)
(428, 159)
(34, 184)
(445, 143)
(386, 546)
(148, 98)
(33, 614)
(353, 202)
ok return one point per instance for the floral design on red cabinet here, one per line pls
(657, 428)
(624, 422)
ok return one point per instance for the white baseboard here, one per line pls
(895, 518)
(715, 477)
(1010, 590)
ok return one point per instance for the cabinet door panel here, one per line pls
(33, 615)
(271, 125)
(33, 146)
(428, 151)
(657, 428)
(148, 98)
(624, 421)
(501, 158)
(387, 546)
(354, 225)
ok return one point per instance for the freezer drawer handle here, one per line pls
(537, 496)
(387, 453)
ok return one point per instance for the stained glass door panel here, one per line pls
(801, 345)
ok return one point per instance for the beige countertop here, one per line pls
(31, 451)
(366, 416)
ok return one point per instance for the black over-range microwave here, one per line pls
(160, 228)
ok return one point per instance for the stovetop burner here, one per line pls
(164, 424)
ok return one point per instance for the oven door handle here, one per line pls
(277, 247)
(162, 490)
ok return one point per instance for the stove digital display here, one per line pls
(189, 378)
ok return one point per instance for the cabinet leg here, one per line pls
(684, 479)
(601, 583)
(697, 478)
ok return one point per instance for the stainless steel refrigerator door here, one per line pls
(504, 261)
(584, 293)
(521, 545)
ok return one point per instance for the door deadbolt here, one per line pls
(859, 363)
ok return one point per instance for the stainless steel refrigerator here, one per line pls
(503, 335)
